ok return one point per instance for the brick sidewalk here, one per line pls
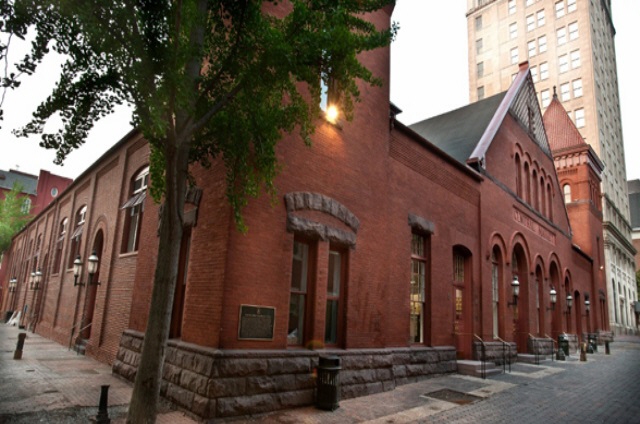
(54, 385)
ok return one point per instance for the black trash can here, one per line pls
(328, 387)
(7, 316)
(593, 342)
(563, 343)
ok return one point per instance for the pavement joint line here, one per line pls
(435, 406)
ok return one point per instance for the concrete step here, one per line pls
(529, 358)
(474, 368)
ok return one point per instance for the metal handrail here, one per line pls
(73, 329)
(535, 348)
(504, 357)
(553, 344)
(483, 358)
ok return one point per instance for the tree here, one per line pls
(208, 81)
(13, 216)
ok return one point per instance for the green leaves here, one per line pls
(13, 215)
(225, 77)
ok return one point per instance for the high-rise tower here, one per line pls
(570, 48)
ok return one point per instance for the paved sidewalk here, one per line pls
(51, 384)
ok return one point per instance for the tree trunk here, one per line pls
(146, 390)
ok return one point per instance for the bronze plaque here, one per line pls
(256, 322)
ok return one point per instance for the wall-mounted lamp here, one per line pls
(569, 304)
(36, 278)
(515, 286)
(13, 283)
(587, 306)
(92, 268)
(553, 296)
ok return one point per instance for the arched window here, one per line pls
(527, 183)
(566, 189)
(134, 208)
(549, 202)
(76, 237)
(518, 176)
(543, 203)
(496, 274)
(62, 232)
(534, 194)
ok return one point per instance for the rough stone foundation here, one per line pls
(220, 383)
(496, 352)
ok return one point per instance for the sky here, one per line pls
(429, 76)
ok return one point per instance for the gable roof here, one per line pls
(457, 132)
(467, 133)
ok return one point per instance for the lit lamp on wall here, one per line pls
(515, 286)
(587, 306)
(569, 304)
(36, 278)
(13, 283)
(92, 268)
(553, 297)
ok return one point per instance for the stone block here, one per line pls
(203, 407)
(226, 387)
(194, 382)
(288, 366)
(245, 405)
(296, 398)
(239, 367)
(179, 395)
(171, 373)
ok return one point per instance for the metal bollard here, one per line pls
(103, 412)
(18, 353)
(607, 350)
(583, 352)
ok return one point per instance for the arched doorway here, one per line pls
(92, 289)
(556, 323)
(519, 269)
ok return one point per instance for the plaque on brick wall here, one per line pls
(256, 322)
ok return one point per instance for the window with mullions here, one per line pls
(417, 296)
(299, 291)
(335, 287)
(134, 208)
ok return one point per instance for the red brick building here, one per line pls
(395, 248)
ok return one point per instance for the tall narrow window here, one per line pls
(560, 9)
(62, 232)
(579, 114)
(513, 31)
(495, 284)
(479, 46)
(566, 189)
(511, 5)
(335, 287)
(577, 87)
(480, 69)
(531, 22)
(571, 6)
(417, 293)
(298, 298)
(76, 237)
(540, 17)
(565, 93)
(135, 209)
(575, 59)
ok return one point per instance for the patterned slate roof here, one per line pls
(9, 178)
(561, 131)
